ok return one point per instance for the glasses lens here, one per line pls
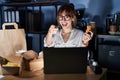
(60, 18)
(67, 18)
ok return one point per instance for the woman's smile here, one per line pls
(64, 24)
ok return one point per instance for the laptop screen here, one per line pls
(65, 60)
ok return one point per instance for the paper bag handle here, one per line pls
(8, 24)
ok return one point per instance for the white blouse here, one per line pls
(75, 39)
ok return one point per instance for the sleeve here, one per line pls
(45, 45)
(82, 38)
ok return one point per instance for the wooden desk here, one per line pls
(39, 75)
(90, 75)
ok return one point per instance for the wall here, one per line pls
(97, 10)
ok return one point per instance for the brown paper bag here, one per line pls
(12, 40)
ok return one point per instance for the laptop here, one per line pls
(65, 60)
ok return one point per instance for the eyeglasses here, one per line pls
(66, 18)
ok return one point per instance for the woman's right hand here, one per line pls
(53, 29)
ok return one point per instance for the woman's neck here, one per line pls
(66, 30)
(66, 34)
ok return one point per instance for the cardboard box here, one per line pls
(36, 64)
(11, 68)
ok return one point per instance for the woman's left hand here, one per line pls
(88, 37)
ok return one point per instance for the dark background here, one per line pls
(94, 10)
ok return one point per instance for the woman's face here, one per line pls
(65, 21)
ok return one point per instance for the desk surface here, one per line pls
(39, 75)
(90, 75)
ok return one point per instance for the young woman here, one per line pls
(65, 34)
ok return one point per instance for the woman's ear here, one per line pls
(73, 19)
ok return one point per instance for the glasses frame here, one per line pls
(65, 18)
